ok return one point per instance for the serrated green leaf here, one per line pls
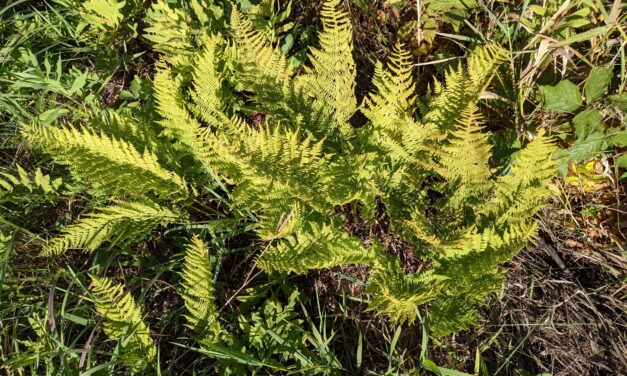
(621, 161)
(587, 122)
(563, 97)
(590, 137)
(11, 178)
(43, 181)
(597, 83)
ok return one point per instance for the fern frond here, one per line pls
(315, 247)
(207, 81)
(470, 268)
(102, 14)
(450, 315)
(394, 89)
(405, 146)
(257, 56)
(280, 219)
(271, 166)
(177, 123)
(122, 321)
(396, 293)
(464, 160)
(265, 71)
(331, 77)
(117, 223)
(122, 125)
(483, 64)
(111, 165)
(520, 194)
(463, 87)
(171, 32)
(198, 292)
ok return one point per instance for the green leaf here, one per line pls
(590, 137)
(585, 36)
(563, 97)
(442, 5)
(597, 83)
(587, 122)
(617, 137)
(621, 161)
(79, 83)
(24, 178)
(441, 371)
(620, 101)
(562, 159)
(52, 115)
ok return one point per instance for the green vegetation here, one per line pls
(280, 187)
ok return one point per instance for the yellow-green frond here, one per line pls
(266, 73)
(331, 77)
(262, 65)
(198, 292)
(450, 315)
(394, 89)
(271, 167)
(105, 15)
(316, 247)
(122, 322)
(463, 86)
(396, 293)
(520, 194)
(170, 31)
(117, 223)
(464, 159)
(176, 120)
(122, 125)
(109, 164)
(483, 64)
(207, 82)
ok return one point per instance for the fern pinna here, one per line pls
(428, 162)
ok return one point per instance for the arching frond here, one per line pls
(171, 32)
(271, 165)
(464, 160)
(267, 76)
(121, 125)
(463, 86)
(315, 247)
(521, 193)
(396, 293)
(122, 222)
(122, 322)
(331, 77)
(208, 82)
(198, 292)
(177, 123)
(109, 164)
(394, 89)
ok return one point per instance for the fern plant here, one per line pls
(426, 159)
